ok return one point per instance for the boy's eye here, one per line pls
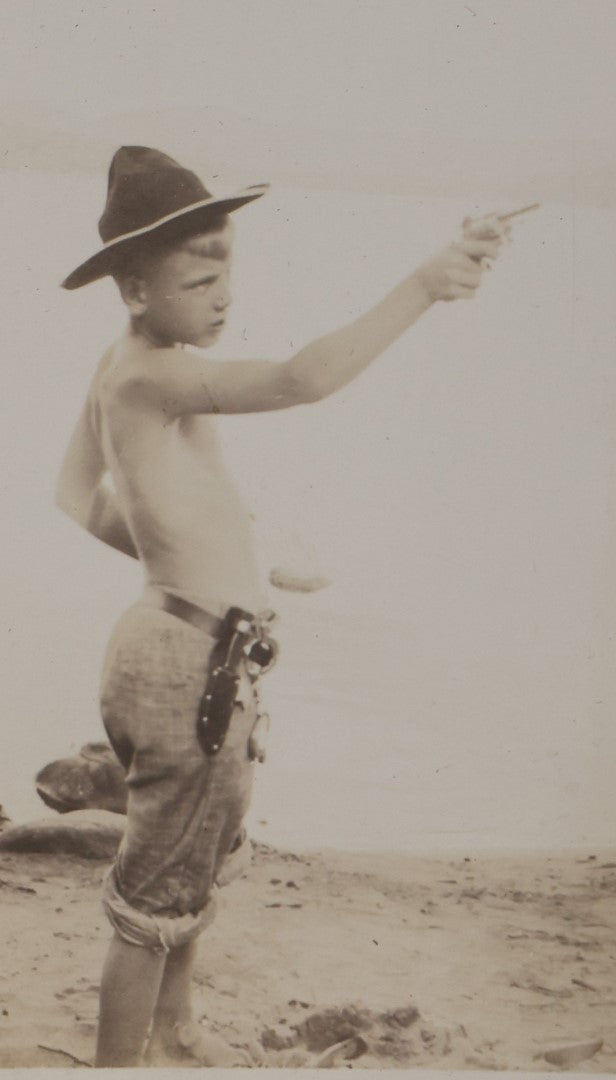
(201, 286)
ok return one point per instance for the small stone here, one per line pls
(571, 1053)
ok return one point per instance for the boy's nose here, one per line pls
(223, 297)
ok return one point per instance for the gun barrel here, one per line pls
(515, 213)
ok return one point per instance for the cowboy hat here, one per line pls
(148, 191)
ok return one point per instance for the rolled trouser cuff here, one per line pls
(159, 933)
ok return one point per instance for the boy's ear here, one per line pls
(133, 292)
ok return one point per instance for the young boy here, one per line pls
(149, 426)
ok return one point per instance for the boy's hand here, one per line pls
(490, 227)
(456, 272)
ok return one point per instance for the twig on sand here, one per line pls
(584, 985)
(341, 1051)
(66, 1053)
(16, 888)
(537, 989)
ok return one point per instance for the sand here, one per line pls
(503, 957)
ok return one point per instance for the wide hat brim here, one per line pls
(196, 214)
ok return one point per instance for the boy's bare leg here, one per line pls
(129, 990)
(175, 1032)
(173, 1009)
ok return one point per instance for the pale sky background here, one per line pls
(438, 96)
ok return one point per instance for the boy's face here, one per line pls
(185, 292)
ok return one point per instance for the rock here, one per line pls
(571, 1053)
(92, 834)
(322, 1029)
(91, 780)
(293, 582)
(338, 1030)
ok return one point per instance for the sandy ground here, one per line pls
(503, 957)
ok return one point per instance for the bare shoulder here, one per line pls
(122, 376)
(177, 381)
(111, 407)
(154, 380)
(117, 367)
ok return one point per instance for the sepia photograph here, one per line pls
(309, 595)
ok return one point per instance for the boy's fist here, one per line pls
(456, 272)
(490, 227)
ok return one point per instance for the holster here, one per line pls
(218, 699)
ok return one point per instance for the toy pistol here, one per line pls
(515, 213)
(469, 222)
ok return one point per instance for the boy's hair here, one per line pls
(136, 256)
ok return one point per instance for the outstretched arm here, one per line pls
(336, 359)
(82, 491)
(179, 382)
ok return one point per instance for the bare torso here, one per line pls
(189, 525)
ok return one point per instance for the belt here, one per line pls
(183, 609)
(260, 649)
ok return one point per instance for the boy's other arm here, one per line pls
(180, 382)
(82, 492)
(107, 523)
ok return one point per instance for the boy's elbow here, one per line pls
(308, 391)
(302, 386)
(68, 506)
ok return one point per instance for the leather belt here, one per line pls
(183, 609)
